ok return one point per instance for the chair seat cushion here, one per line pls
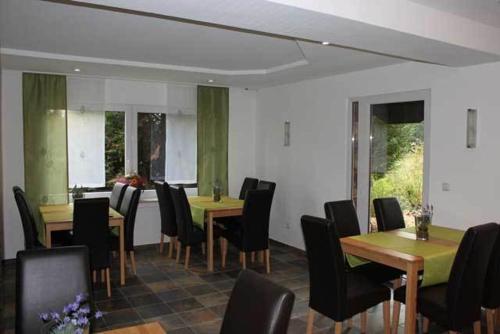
(431, 302)
(377, 272)
(363, 293)
(62, 238)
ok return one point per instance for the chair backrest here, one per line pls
(467, 276)
(491, 294)
(27, 219)
(91, 229)
(182, 215)
(344, 216)
(248, 184)
(257, 305)
(116, 198)
(266, 185)
(167, 210)
(327, 277)
(255, 220)
(128, 210)
(388, 213)
(47, 280)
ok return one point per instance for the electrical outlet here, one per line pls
(445, 186)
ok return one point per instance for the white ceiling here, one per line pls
(484, 11)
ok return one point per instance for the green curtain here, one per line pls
(213, 124)
(45, 139)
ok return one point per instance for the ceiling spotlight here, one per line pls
(210, 80)
(325, 43)
(76, 70)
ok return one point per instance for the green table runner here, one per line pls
(199, 205)
(438, 258)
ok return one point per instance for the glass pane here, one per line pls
(115, 146)
(151, 139)
(397, 155)
(181, 148)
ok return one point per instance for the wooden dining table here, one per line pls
(59, 217)
(410, 263)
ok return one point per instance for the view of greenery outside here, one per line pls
(114, 145)
(152, 134)
(397, 164)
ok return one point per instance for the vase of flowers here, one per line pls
(77, 192)
(423, 218)
(217, 192)
(74, 319)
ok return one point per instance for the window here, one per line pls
(114, 145)
(151, 142)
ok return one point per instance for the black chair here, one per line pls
(334, 292)
(116, 198)
(388, 213)
(128, 210)
(266, 185)
(188, 234)
(457, 304)
(248, 184)
(257, 305)
(29, 222)
(91, 229)
(491, 295)
(167, 215)
(253, 235)
(47, 280)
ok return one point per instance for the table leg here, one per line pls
(122, 254)
(210, 242)
(411, 298)
(48, 237)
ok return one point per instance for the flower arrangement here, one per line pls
(74, 319)
(77, 192)
(423, 218)
(134, 180)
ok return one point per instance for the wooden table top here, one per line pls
(151, 328)
(63, 213)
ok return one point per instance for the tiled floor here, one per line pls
(191, 301)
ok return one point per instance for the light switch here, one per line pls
(445, 186)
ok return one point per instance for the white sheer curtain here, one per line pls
(181, 148)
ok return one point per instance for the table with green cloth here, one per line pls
(438, 252)
(200, 204)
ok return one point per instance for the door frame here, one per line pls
(363, 141)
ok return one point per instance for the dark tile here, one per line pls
(163, 285)
(171, 322)
(184, 305)
(220, 310)
(142, 300)
(184, 330)
(171, 295)
(153, 310)
(155, 277)
(211, 327)
(198, 316)
(213, 299)
(202, 289)
(215, 277)
(113, 305)
(135, 290)
(121, 317)
(224, 285)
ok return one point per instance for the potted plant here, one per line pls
(423, 218)
(77, 192)
(74, 319)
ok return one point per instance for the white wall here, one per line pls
(314, 168)
(241, 135)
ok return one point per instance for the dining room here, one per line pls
(259, 167)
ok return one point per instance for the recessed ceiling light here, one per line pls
(325, 43)
(210, 80)
(76, 70)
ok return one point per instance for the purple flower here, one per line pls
(82, 321)
(81, 297)
(79, 331)
(44, 316)
(55, 316)
(98, 314)
(84, 310)
(74, 307)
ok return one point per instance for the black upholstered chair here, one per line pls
(334, 292)
(91, 229)
(491, 294)
(388, 213)
(253, 235)
(47, 280)
(128, 209)
(248, 184)
(116, 198)
(188, 234)
(343, 215)
(257, 305)
(167, 215)
(457, 304)
(29, 221)
(266, 185)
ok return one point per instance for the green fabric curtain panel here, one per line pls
(45, 140)
(213, 124)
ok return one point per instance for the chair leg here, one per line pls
(396, 308)
(203, 248)
(349, 323)
(103, 274)
(387, 317)
(94, 276)
(310, 321)
(132, 261)
(162, 237)
(477, 327)
(179, 251)
(490, 321)
(171, 244)
(108, 282)
(364, 319)
(338, 327)
(268, 261)
(426, 325)
(497, 317)
(252, 257)
(188, 255)
(261, 256)
(224, 252)
(243, 257)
